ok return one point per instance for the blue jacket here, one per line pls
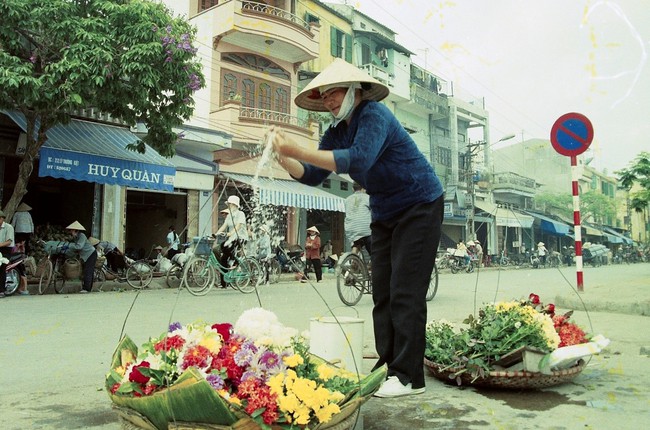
(379, 154)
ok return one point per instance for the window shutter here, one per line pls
(348, 48)
(333, 41)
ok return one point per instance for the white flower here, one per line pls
(518, 324)
(264, 329)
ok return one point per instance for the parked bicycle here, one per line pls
(138, 274)
(51, 267)
(203, 270)
(353, 278)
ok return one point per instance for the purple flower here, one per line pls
(244, 356)
(175, 326)
(269, 360)
(215, 381)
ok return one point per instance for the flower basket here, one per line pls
(219, 393)
(505, 378)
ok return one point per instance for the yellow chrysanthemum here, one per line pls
(212, 342)
(289, 403)
(325, 372)
(293, 360)
(325, 414)
(276, 384)
(336, 396)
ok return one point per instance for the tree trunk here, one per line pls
(26, 166)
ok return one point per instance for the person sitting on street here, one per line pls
(114, 257)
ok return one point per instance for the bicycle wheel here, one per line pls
(198, 276)
(58, 276)
(45, 269)
(433, 285)
(174, 275)
(139, 275)
(351, 278)
(247, 275)
(99, 277)
(274, 271)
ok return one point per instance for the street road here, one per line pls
(56, 350)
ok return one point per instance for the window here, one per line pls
(207, 4)
(311, 18)
(344, 186)
(444, 156)
(365, 54)
(327, 183)
(229, 86)
(281, 100)
(265, 96)
(341, 44)
(248, 93)
(254, 92)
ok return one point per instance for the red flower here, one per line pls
(570, 334)
(136, 376)
(175, 342)
(534, 299)
(224, 329)
(115, 387)
(550, 309)
(197, 356)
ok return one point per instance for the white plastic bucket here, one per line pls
(338, 341)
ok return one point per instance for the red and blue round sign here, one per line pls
(572, 133)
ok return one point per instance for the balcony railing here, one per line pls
(272, 116)
(513, 179)
(274, 11)
(428, 99)
(377, 72)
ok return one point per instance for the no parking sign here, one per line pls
(571, 135)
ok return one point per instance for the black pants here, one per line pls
(89, 270)
(403, 254)
(365, 242)
(116, 261)
(318, 268)
(228, 253)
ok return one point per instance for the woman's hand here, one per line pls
(282, 145)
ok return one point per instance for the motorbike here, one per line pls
(457, 261)
(291, 258)
(13, 276)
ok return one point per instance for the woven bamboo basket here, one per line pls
(132, 420)
(507, 379)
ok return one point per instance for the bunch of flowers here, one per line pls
(499, 329)
(258, 367)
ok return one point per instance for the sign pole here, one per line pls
(576, 221)
(571, 135)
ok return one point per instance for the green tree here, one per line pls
(129, 58)
(594, 205)
(637, 173)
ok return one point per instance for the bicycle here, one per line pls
(138, 274)
(203, 270)
(51, 266)
(12, 282)
(353, 279)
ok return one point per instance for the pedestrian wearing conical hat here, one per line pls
(312, 254)
(23, 225)
(367, 141)
(87, 253)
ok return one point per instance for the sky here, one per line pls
(535, 60)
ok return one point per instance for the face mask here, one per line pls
(347, 106)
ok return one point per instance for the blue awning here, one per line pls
(623, 239)
(551, 226)
(280, 192)
(94, 152)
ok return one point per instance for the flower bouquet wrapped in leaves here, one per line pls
(255, 375)
(517, 344)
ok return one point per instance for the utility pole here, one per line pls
(472, 150)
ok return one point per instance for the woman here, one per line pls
(541, 253)
(312, 253)
(23, 225)
(234, 228)
(86, 251)
(369, 143)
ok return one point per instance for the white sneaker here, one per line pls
(394, 388)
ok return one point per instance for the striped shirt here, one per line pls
(357, 216)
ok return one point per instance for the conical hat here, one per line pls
(344, 73)
(314, 229)
(93, 240)
(76, 226)
(23, 207)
